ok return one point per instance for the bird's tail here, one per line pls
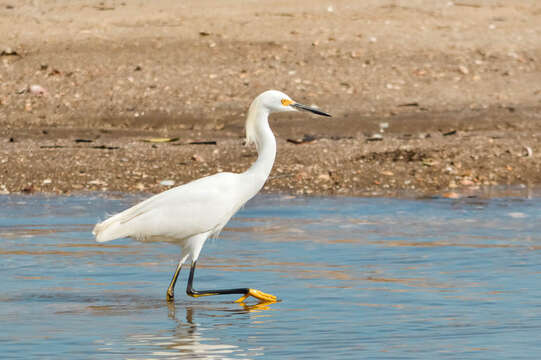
(123, 224)
(111, 229)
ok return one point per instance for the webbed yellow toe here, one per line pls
(258, 294)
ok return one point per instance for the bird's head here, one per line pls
(269, 102)
(277, 101)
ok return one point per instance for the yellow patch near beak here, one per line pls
(287, 102)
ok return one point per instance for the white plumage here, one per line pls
(201, 206)
(191, 213)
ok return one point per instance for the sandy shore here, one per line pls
(430, 97)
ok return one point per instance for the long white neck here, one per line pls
(259, 132)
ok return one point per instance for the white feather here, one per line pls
(179, 213)
(189, 214)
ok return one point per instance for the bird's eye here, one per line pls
(286, 102)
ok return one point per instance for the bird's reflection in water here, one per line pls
(187, 340)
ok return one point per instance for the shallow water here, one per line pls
(359, 278)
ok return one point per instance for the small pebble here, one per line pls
(37, 90)
(198, 158)
(167, 182)
(451, 195)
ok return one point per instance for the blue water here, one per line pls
(359, 278)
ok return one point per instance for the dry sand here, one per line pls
(427, 97)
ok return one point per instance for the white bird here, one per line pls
(191, 213)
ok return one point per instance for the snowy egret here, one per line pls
(191, 213)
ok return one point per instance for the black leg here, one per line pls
(244, 291)
(195, 293)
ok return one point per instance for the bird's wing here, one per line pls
(202, 205)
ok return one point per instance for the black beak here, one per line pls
(308, 108)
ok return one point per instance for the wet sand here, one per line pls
(430, 97)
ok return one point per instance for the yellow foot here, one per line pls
(258, 295)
